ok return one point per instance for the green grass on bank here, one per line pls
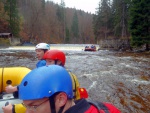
(4, 42)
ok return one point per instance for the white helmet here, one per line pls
(42, 46)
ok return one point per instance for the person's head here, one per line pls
(46, 89)
(40, 49)
(56, 57)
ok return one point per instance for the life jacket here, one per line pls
(104, 107)
(76, 86)
(41, 63)
(18, 108)
(100, 106)
(77, 90)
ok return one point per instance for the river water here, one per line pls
(120, 78)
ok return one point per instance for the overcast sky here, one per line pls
(86, 5)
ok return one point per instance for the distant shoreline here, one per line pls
(52, 46)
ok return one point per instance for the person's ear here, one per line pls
(61, 99)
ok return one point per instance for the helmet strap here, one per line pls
(61, 109)
(52, 104)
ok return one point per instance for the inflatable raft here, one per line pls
(90, 48)
(12, 76)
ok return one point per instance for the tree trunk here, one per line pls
(147, 47)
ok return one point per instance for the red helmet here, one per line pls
(55, 55)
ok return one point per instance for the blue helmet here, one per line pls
(44, 82)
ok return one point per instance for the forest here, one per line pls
(39, 20)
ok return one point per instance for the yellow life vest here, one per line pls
(76, 86)
(19, 108)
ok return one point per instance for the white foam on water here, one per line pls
(128, 66)
(140, 81)
(93, 85)
(105, 59)
(110, 72)
(134, 80)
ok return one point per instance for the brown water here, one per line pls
(120, 78)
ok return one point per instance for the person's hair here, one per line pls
(45, 50)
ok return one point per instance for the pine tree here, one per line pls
(140, 23)
(67, 39)
(102, 19)
(75, 27)
(120, 17)
(61, 18)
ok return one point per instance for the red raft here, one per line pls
(90, 48)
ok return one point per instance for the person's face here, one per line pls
(39, 53)
(37, 106)
(51, 62)
(43, 105)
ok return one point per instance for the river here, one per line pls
(121, 78)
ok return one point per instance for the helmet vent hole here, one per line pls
(25, 83)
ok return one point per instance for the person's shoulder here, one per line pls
(41, 63)
(112, 108)
(104, 107)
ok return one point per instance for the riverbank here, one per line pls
(4, 43)
(145, 54)
(75, 47)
